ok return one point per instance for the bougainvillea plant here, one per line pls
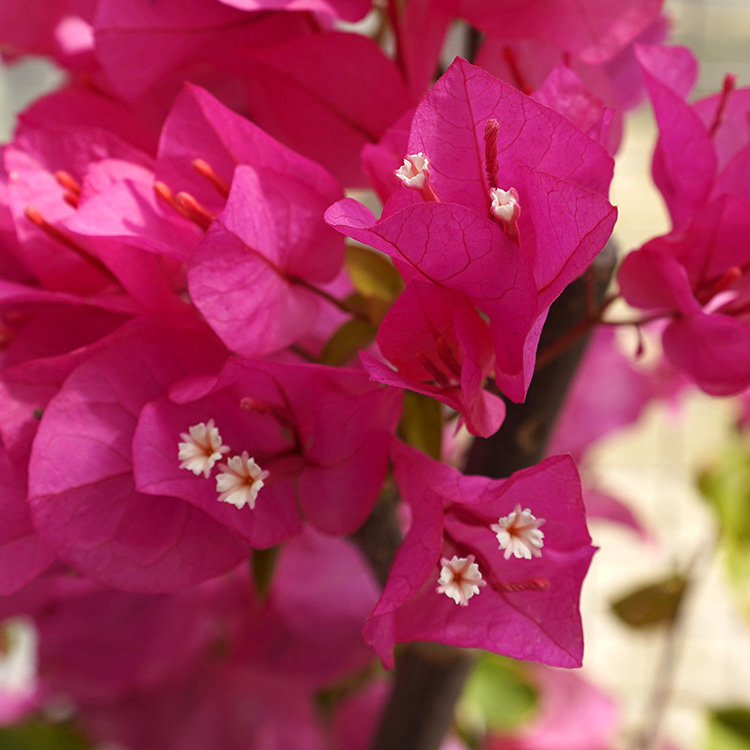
(282, 301)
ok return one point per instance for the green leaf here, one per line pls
(372, 273)
(726, 487)
(652, 605)
(497, 696)
(373, 309)
(729, 729)
(422, 423)
(352, 336)
(39, 736)
(376, 280)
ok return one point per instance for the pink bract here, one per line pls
(201, 127)
(59, 28)
(594, 30)
(347, 10)
(23, 555)
(566, 93)
(251, 275)
(244, 661)
(173, 42)
(323, 109)
(441, 348)
(684, 160)
(324, 435)
(32, 162)
(514, 614)
(81, 490)
(561, 176)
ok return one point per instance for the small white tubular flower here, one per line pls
(201, 448)
(459, 579)
(416, 171)
(519, 535)
(240, 481)
(505, 205)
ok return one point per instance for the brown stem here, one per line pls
(380, 536)
(429, 678)
(474, 41)
(661, 693)
(522, 440)
(662, 688)
(591, 319)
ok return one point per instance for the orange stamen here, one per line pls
(193, 210)
(68, 182)
(59, 236)
(71, 198)
(204, 169)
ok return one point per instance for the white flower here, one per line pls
(415, 172)
(519, 535)
(240, 481)
(504, 204)
(201, 448)
(459, 579)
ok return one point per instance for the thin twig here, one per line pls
(663, 688)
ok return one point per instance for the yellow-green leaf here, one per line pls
(652, 605)
(729, 729)
(40, 736)
(422, 423)
(497, 696)
(372, 273)
(352, 336)
(726, 486)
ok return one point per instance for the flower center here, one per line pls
(504, 204)
(185, 205)
(459, 579)
(518, 534)
(240, 481)
(415, 175)
(201, 448)
(505, 208)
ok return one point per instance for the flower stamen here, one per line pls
(204, 169)
(33, 215)
(460, 579)
(185, 205)
(240, 481)
(518, 534)
(415, 175)
(506, 209)
(201, 448)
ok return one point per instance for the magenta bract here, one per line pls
(82, 494)
(323, 434)
(561, 177)
(442, 348)
(697, 274)
(528, 608)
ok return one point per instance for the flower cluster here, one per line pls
(696, 277)
(197, 370)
